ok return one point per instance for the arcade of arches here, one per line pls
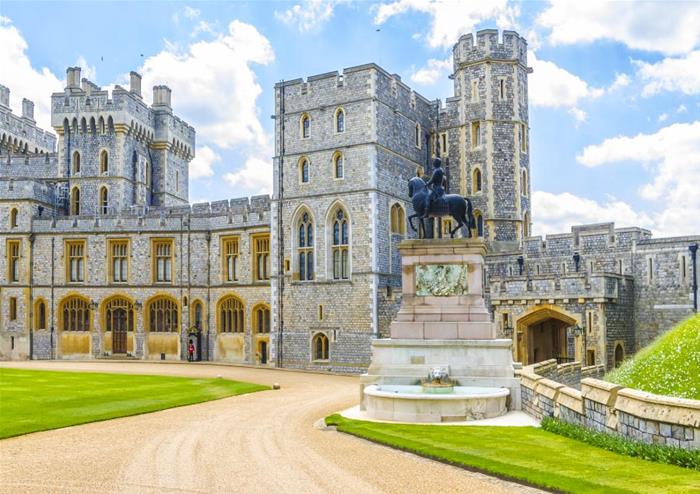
(542, 335)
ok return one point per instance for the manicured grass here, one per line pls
(668, 366)
(32, 401)
(529, 454)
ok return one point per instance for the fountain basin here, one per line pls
(407, 403)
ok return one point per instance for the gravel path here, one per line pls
(261, 442)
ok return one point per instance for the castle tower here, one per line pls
(118, 152)
(487, 125)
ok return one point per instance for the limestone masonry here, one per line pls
(102, 256)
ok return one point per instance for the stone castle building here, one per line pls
(102, 256)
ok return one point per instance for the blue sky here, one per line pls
(615, 92)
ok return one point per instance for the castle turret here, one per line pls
(490, 81)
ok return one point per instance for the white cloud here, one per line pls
(191, 13)
(432, 72)
(673, 154)
(255, 176)
(450, 19)
(24, 80)
(621, 80)
(556, 213)
(671, 74)
(579, 115)
(309, 15)
(663, 117)
(682, 109)
(214, 87)
(666, 27)
(553, 87)
(203, 163)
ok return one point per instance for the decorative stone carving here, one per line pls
(441, 280)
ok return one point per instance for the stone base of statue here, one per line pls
(443, 323)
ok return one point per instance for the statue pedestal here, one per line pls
(442, 291)
(443, 322)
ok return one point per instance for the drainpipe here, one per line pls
(207, 236)
(31, 293)
(53, 298)
(694, 255)
(280, 234)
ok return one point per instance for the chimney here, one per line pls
(135, 83)
(28, 109)
(4, 96)
(73, 78)
(161, 96)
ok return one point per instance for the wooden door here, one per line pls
(119, 331)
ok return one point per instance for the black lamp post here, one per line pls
(694, 255)
(577, 260)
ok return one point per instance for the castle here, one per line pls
(102, 256)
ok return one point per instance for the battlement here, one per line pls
(86, 107)
(329, 86)
(487, 44)
(244, 212)
(29, 165)
(20, 134)
(28, 190)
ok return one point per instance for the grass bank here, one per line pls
(668, 366)
(32, 400)
(529, 455)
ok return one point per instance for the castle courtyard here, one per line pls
(261, 442)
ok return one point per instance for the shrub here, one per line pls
(653, 452)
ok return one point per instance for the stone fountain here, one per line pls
(443, 362)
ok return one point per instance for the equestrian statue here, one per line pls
(430, 201)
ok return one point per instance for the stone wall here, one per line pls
(610, 408)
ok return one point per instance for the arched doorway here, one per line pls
(542, 335)
(619, 355)
(119, 320)
(262, 350)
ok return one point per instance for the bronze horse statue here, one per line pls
(460, 208)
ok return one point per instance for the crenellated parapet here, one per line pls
(20, 135)
(488, 45)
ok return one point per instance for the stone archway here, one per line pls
(542, 335)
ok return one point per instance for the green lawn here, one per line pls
(668, 366)
(529, 454)
(33, 400)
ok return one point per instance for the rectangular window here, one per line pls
(684, 269)
(177, 181)
(523, 138)
(444, 151)
(320, 312)
(650, 269)
(591, 265)
(620, 267)
(162, 251)
(13, 308)
(476, 134)
(475, 91)
(229, 258)
(118, 260)
(13, 248)
(261, 257)
(501, 89)
(590, 357)
(75, 261)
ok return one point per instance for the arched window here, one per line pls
(305, 247)
(162, 315)
(338, 165)
(305, 126)
(76, 162)
(261, 319)
(13, 218)
(476, 181)
(526, 224)
(319, 346)
(110, 124)
(75, 201)
(398, 220)
(340, 120)
(119, 315)
(104, 203)
(231, 315)
(523, 183)
(83, 125)
(417, 135)
(619, 355)
(93, 127)
(340, 248)
(479, 224)
(101, 125)
(40, 315)
(197, 311)
(104, 161)
(304, 170)
(75, 314)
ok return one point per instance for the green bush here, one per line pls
(668, 366)
(621, 445)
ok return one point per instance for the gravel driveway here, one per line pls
(260, 442)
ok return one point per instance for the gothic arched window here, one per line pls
(305, 247)
(319, 346)
(75, 201)
(338, 165)
(305, 124)
(231, 315)
(476, 182)
(261, 319)
(13, 218)
(104, 202)
(104, 161)
(162, 315)
(398, 220)
(479, 224)
(75, 314)
(340, 247)
(304, 170)
(76, 162)
(340, 120)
